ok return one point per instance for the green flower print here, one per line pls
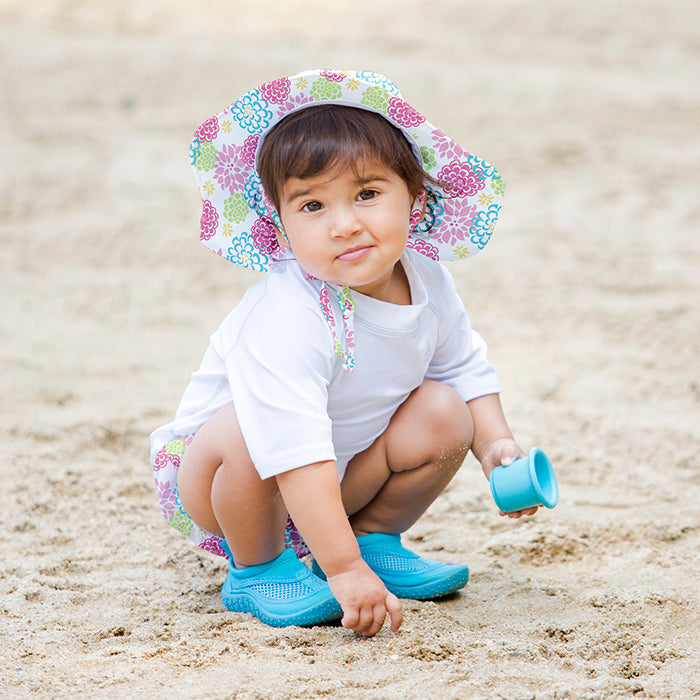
(206, 157)
(498, 186)
(236, 208)
(429, 160)
(376, 98)
(175, 447)
(324, 89)
(181, 522)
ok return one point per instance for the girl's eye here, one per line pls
(312, 207)
(366, 195)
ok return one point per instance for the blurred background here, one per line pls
(588, 294)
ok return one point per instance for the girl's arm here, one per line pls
(493, 442)
(312, 496)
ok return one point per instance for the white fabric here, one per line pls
(273, 358)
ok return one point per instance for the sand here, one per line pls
(588, 295)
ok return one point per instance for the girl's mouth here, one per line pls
(353, 254)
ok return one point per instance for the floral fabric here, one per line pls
(237, 217)
(165, 468)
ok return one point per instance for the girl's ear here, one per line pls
(422, 202)
(418, 209)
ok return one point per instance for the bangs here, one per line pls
(315, 139)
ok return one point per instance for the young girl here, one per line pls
(340, 396)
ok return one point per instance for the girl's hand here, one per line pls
(365, 600)
(503, 452)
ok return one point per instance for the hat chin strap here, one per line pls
(345, 350)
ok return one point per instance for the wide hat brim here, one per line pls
(237, 217)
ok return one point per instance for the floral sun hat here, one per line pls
(238, 218)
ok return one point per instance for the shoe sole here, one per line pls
(426, 590)
(324, 611)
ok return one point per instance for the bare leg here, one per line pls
(221, 490)
(391, 484)
(386, 488)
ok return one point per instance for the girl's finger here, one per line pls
(393, 607)
(366, 620)
(350, 618)
(379, 615)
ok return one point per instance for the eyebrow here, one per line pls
(300, 193)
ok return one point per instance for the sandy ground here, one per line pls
(588, 294)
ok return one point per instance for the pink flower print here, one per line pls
(264, 236)
(402, 113)
(274, 216)
(211, 544)
(209, 130)
(163, 459)
(416, 216)
(230, 170)
(167, 497)
(446, 148)
(209, 221)
(294, 104)
(330, 75)
(350, 341)
(456, 220)
(326, 306)
(276, 91)
(460, 179)
(247, 155)
(294, 540)
(424, 248)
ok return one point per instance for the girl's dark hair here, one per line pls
(307, 142)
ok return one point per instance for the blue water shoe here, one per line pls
(280, 592)
(406, 574)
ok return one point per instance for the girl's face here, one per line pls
(349, 226)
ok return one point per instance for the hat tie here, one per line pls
(347, 308)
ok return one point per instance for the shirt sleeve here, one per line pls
(461, 356)
(279, 366)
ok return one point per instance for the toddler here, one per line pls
(339, 397)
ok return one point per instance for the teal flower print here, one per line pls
(433, 212)
(251, 112)
(378, 79)
(195, 148)
(482, 225)
(244, 253)
(481, 168)
(253, 193)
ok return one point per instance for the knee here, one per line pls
(447, 417)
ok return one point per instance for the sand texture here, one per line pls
(589, 296)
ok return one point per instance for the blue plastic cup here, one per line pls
(526, 482)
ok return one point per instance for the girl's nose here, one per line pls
(345, 222)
